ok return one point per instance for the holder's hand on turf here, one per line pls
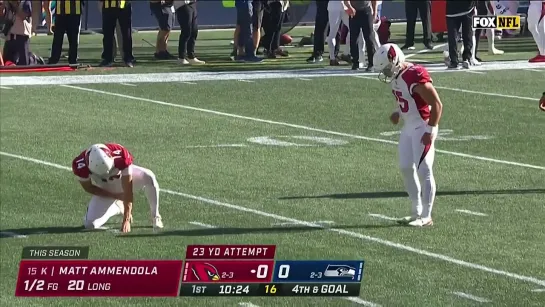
(394, 118)
(126, 226)
(542, 102)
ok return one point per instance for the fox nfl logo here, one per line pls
(496, 22)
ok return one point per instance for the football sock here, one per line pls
(428, 189)
(412, 186)
(490, 36)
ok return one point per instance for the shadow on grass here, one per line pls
(394, 194)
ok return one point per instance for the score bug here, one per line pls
(228, 271)
(318, 271)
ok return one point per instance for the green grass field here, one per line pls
(308, 164)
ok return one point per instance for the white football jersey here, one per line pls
(413, 109)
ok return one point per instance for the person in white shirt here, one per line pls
(536, 25)
(337, 14)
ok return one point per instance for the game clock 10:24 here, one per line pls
(233, 289)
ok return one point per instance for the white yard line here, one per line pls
(6, 87)
(424, 51)
(9, 234)
(216, 146)
(128, 84)
(187, 82)
(344, 232)
(247, 81)
(537, 70)
(475, 72)
(360, 137)
(202, 225)
(230, 75)
(246, 304)
(471, 212)
(359, 301)
(384, 217)
(472, 297)
(538, 290)
(304, 79)
(469, 91)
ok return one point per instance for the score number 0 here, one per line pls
(284, 271)
(261, 271)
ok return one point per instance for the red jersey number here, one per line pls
(403, 103)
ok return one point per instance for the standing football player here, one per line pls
(536, 25)
(107, 172)
(418, 104)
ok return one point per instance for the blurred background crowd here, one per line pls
(262, 28)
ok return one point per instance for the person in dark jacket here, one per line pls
(245, 42)
(273, 27)
(363, 14)
(67, 20)
(113, 12)
(320, 23)
(412, 8)
(460, 14)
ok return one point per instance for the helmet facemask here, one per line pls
(388, 73)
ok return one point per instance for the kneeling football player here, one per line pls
(107, 172)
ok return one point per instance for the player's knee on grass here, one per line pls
(90, 225)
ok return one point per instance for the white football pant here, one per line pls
(416, 161)
(536, 24)
(335, 19)
(101, 209)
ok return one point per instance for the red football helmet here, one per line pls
(542, 102)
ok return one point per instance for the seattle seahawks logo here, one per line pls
(337, 270)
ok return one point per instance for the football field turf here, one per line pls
(307, 163)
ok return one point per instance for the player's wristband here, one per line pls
(433, 130)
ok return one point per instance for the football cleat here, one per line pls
(494, 51)
(157, 222)
(475, 62)
(537, 59)
(420, 222)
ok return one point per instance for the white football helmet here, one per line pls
(387, 61)
(100, 160)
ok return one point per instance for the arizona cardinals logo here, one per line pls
(205, 272)
(392, 53)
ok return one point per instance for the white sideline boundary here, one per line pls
(344, 232)
(232, 75)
